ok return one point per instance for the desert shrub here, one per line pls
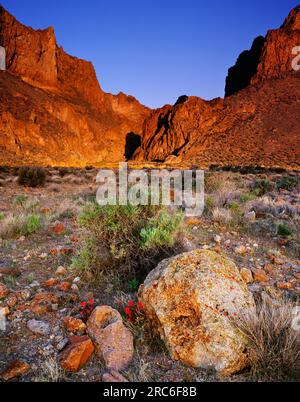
(261, 187)
(288, 183)
(126, 240)
(31, 177)
(274, 342)
(283, 230)
(2, 216)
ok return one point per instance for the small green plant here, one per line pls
(9, 281)
(20, 200)
(133, 285)
(284, 231)
(2, 216)
(262, 186)
(246, 198)
(288, 183)
(31, 177)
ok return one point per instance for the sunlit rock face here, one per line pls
(53, 110)
(256, 123)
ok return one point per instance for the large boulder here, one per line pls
(191, 300)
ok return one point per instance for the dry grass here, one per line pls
(274, 346)
(222, 216)
(50, 372)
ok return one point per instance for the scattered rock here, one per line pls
(261, 276)
(218, 239)
(285, 285)
(250, 216)
(10, 271)
(189, 300)
(61, 271)
(73, 324)
(64, 286)
(49, 283)
(114, 342)
(38, 327)
(16, 369)
(246, 275)
(241, 250)
(58, 228)
(113, 376)
(3, 291)
(77, 354)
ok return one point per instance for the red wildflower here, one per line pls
(131, 303)
(140, 306)
(127, 311)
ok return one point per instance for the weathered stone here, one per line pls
(3, 291)
(38, 327)
(246, 275)
(77, 354)
(73, 324)
(261, 276)
(113, 376)
(16, 369)
(190, 300)
(113, 340)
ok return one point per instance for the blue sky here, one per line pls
(156, 50)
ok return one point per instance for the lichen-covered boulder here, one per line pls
(191, 300)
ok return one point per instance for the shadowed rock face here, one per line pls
(52, 109)
(240, 76)
(258, 125)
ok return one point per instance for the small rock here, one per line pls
(113, 340)
(38, 327)
(3, 291)
(113, 376)
(61, 271)
(250, 216)
(261, 276)
(49, 283)
(10, 271)
(77, 280)
(246, 275)
(22, 239)
(218, 239)
(12, 301)
(58, 228)
(73, 324)
(64, 286)
(77, 354)
(43, 256)
(16, 369)
(62, 344)
(75, 288)
(241, 250)
(285, 285)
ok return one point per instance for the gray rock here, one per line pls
(38, 327)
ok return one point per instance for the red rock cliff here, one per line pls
(52, 107)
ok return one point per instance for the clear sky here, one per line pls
(156, 50)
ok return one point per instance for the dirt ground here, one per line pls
(268, 244)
